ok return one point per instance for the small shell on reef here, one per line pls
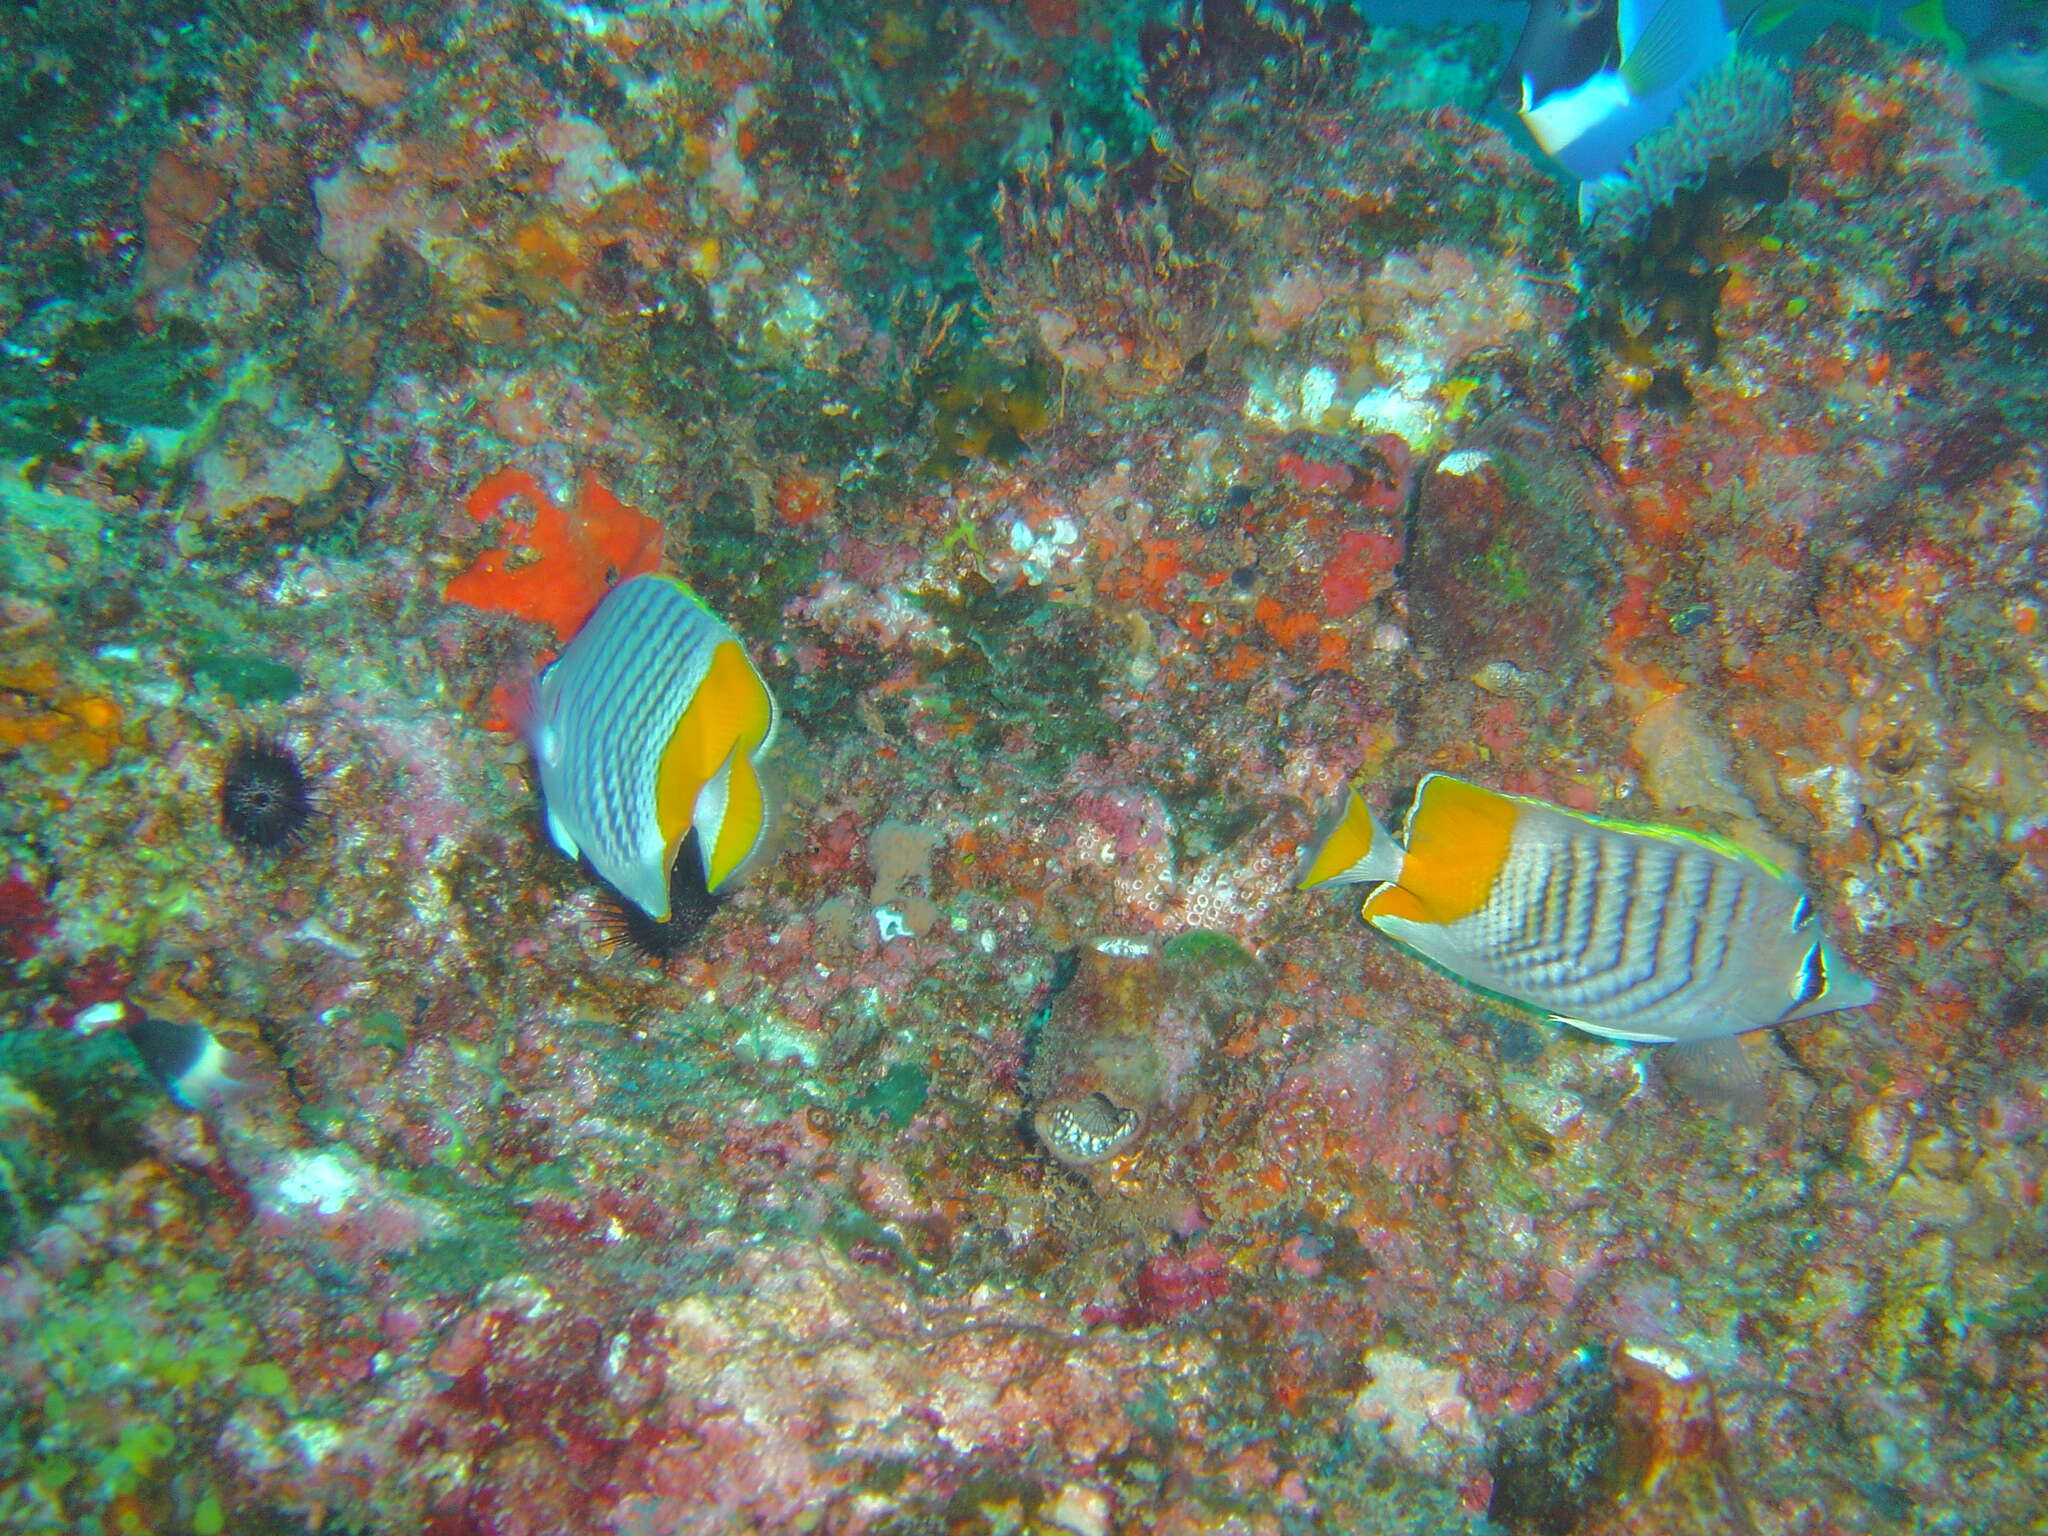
(1505, 680)
(1086, 1130)
(1122, 1046)
(1097, 1069)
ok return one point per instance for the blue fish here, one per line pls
(1592, 78)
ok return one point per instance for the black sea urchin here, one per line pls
(265, 803)
(690, 905)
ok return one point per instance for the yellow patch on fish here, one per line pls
(1458, 836)
(725, 723)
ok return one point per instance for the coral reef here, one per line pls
(1734, 115)
(554, 568)
(1110, 431)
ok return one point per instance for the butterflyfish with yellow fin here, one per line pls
(1630, 932)
(647, 728)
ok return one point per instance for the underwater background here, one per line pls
(1110, 429)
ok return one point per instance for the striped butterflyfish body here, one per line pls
(649, 726)
(1649, 934)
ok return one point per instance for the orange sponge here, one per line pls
(555, 570)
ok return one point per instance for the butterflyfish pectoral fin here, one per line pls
(732, 813)
(563, 838)
(1722, 1075)
(1356, 850)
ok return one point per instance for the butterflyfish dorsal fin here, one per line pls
(1672, 44)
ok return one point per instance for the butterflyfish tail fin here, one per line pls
(1356, 850)
(1839, 987)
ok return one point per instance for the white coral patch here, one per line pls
(1424, 1414)
(320, 1181)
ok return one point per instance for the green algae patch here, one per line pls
(482, 1246)
(751, 580)
(1224, 976)
(130, 1371)
(1204, 949)
(103, 371)
(76, 1109)
(897, 1096)
(247, 678)
(266, 1378)
(1559, 1463)
(1020, 661)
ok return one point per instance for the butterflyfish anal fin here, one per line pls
(742, 817)
(1607, 1032)
(1356, 850)
(1458, 839)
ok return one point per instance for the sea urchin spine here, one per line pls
(690, 905)
(266, 805)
